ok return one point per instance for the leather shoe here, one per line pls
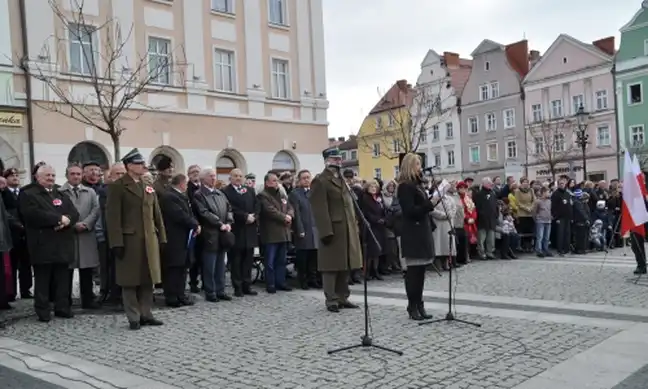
(91, 305)
(424, 315)
(26, 295)
(271, 290)
(186, 301)
(250, 292)
(348, 305)
(224, 297)
(284, 288)
(134, 325)
(44, 319)
(150, 321)
(238, 293)
(333, 308)
(195, 289)
(173, 303)
(64, 314)
(212, 299)
(640, 270)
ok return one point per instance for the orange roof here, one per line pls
(399, 95)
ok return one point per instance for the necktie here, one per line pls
(76, 192)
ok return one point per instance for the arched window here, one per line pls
(282, 162)
(87, 151)
(224, 166)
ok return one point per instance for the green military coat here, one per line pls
(134, 222)
(334, 215)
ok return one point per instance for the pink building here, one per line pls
(569, 75)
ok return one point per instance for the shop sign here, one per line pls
(11, 119)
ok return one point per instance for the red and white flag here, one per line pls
(636, 170)
(633, 208)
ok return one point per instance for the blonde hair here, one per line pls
(408, 171)
(369, 184)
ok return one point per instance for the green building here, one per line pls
(631, 77)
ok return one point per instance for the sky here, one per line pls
(372, 43)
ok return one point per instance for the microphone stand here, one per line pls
(366, 340)
(450, 317)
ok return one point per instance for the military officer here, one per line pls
(164, 169)
(135, 233)
(250, 180)
(335, 220)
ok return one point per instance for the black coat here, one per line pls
(179, 220)
(487, 209)
(41, 213)
(191, 189)
(562, 205)
(304, 222)
(375, 213)
(10, 201)
(242, 205)
(416, 239)
(213, 210)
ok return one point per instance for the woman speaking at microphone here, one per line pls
(417, 246)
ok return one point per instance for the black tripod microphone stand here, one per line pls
(450, 317)
(366, 340)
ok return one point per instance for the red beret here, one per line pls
(462, 184)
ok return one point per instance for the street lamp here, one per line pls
(582, 138)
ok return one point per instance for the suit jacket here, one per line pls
(41, 212)
(273, 208)
(243, 202)
(191, 189)
(87, 204)
(213, 210)
(304, 222)
(179, 220)
(10, 199)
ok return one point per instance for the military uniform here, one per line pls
(335, 220)
(135, 232)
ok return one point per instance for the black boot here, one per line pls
(421, 309)
(414, 312)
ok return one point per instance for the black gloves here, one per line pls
(327, 240)
(118, 252)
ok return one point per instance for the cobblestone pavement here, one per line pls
(566, 279)
(280, 341)
(11, 379)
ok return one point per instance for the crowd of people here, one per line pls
(135, 231)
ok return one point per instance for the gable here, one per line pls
(486, 46)
(431, 58)
(500, 71)
(639, 19)
(579, 55)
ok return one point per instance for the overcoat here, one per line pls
(213, 210)
(179, 221)
(134, 222)
(243, 202)
(376, 214)
(87, 204)
(444, 243)
(334, 215)
(416, 240)
(41, 212)
(272, 211)
(487, 209)
(304, 222)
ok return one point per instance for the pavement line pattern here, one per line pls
(601, 367)
(67, 371)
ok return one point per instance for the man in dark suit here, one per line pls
(196, 264)
(180, 223)
(48, 217)
(244, 204)
(306, 238)
(20, 265)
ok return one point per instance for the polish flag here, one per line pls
(633, 208)
(636, 170)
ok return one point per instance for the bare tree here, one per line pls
(410, 116)
(551, 142)
(100, 62)
(640, 149)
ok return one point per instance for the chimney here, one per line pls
(331, 140)
(340, 139)
(402, 85)
(451, 59)
(606, 45)
(534, 56)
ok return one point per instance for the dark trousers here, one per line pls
(196, 268)
(414, 284)
(107, 273)
(563, 235)
(505, 246)
(637, 245)
(85, 285)
(4, 303)
(581, 237)
(392, 253)
(174, 281)
(461, 240)
(240, 262)
(46, 275)
(22, 271)
(306, 264)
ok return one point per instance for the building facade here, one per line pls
(631, 76)
(570, 75)
(492, 111)
(443, 76)
(238, 83)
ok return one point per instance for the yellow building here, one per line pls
(385, 133)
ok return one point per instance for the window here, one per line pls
(224, 6)
(473, 125)
(378, 173)
(376, 150)
(390, 120)
(396, 145)
(483, 92)
(280, 79)
(603, 135)
(378, 123)
(474, 154)
(83, 49)
(486, 66)
(354, 155)
(423, 136)
(559, 142)
(601, 100)
(556, 109)
(491, 152)
(437, 160)
(344, 155)
(451, 158)
(635, 94)
(435, 133)
(396, 171)
(449, 130)
(577, 102)
(494, 88)
(159, 60)
(509, 118)
(224, 79)
(278, 12)
(511, 149)
(491, 122)
(637, 134)
(564, 59)
(539, 144)
(536, 111)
